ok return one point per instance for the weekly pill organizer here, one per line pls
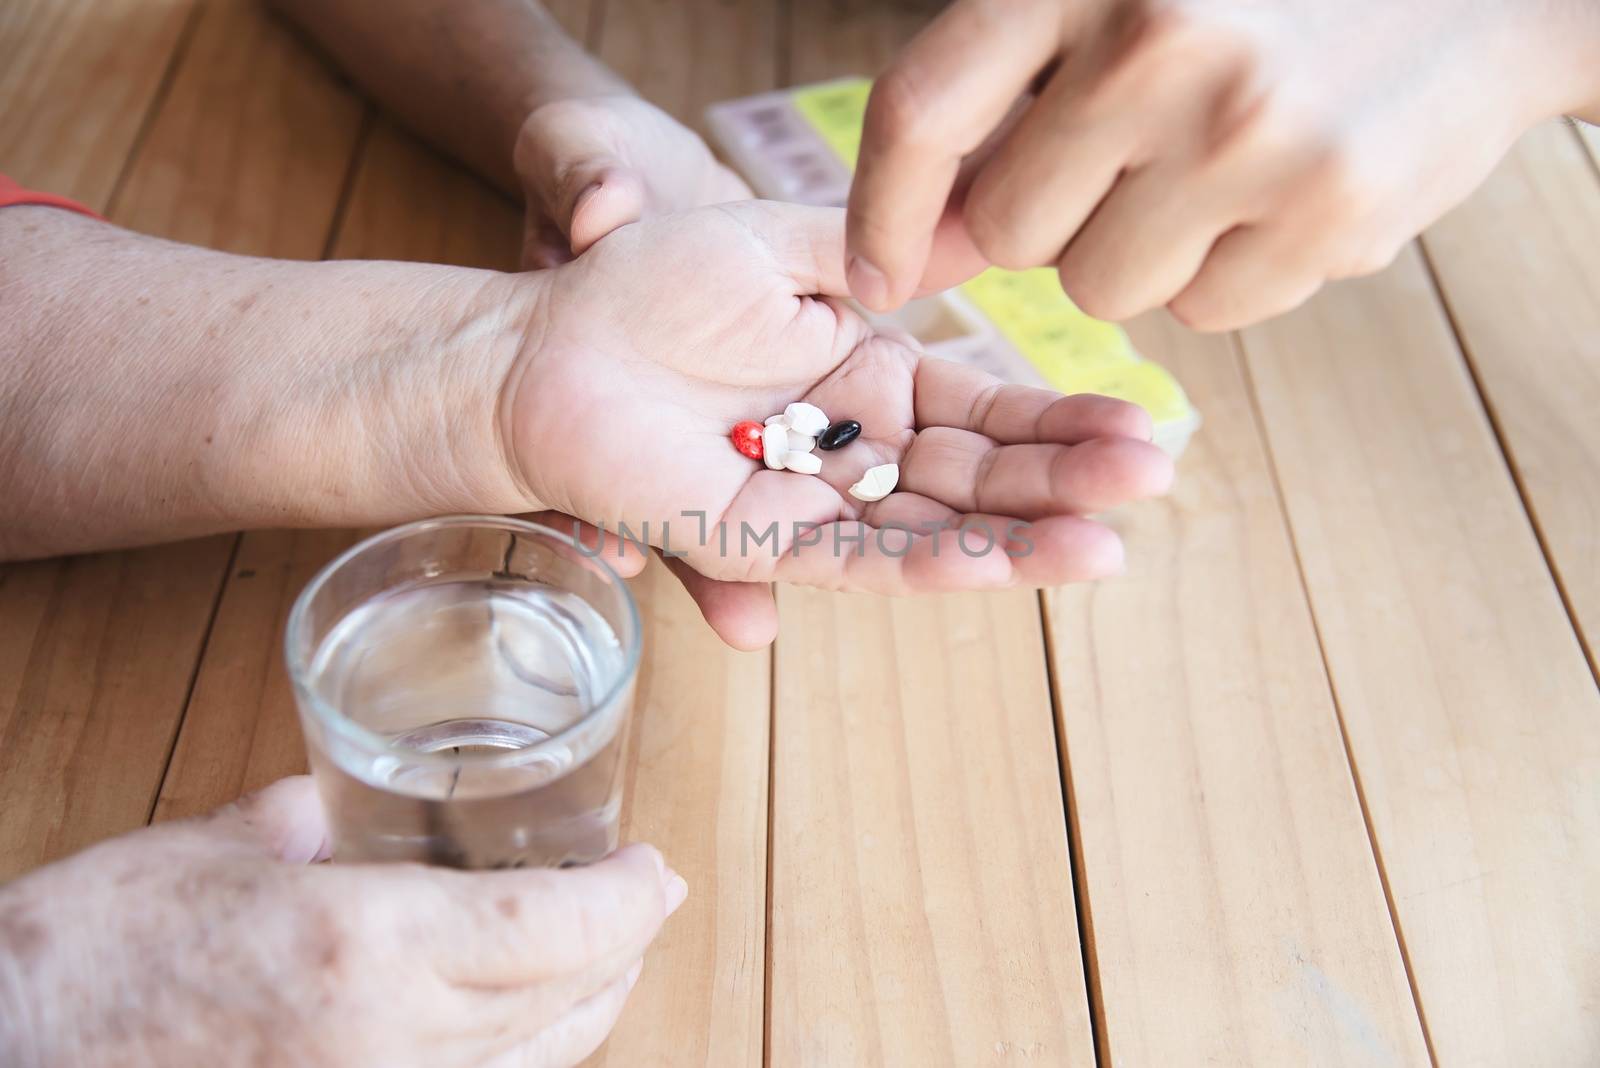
(800, 145)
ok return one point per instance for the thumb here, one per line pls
(614, 197)
(573, 172)
(806, 242)
(284, 821)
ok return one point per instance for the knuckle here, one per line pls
(1171, 37)
(992, 224)
(1091, 291)
(1199, 312)
(899, 111)
(1346, 180)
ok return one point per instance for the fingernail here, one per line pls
(633, 972)
(676, 891)
(868, 284)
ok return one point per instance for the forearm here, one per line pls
(150, 391)
(463, 73)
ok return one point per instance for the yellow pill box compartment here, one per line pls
(800, 145)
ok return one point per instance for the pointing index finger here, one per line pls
(953, 84)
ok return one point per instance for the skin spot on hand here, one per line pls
(20, 934)
(508, 907)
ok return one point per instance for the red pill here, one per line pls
(747, 438)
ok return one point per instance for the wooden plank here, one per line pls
(578, 18)
(1236, 909)
(921, 901)
(252, 145)
(77, 80)
(1591, 138)
(683, 56)
(97, 652)
(240, 732)
(1519, 268)
(697, 788)
(245, 154)
(922, 908)
(1471, 714)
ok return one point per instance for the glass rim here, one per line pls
(298, 662)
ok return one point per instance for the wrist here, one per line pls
(388, 412)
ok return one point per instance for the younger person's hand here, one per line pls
(589, 164)
(215, 942)
(655, 342)
(1221, 157)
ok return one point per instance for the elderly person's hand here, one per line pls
(661, 337)
(1222, 157)
(215, 941)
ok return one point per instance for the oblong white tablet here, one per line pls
(774, 445)
(807, 463)
(801, 442)
(806, 419)
(877, 483)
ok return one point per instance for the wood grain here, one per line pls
(252, 143)
(922, 903)
(244, 154)
(1471, 713)
(240, 732)
(578, 18)
(96, 655)
(77, 80)
(922, 908)
(1591, 139)
(697, 789)
(1519, 268)
(685, 54)
(1236, 909)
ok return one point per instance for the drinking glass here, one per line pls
(464, 686)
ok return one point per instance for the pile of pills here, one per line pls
(786, 442)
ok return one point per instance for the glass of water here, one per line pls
(464, 686)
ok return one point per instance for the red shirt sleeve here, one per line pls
(11, 194)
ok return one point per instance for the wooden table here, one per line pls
(1317, 783)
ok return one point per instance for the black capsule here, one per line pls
(839, 435)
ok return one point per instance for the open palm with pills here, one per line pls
(667, 333)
